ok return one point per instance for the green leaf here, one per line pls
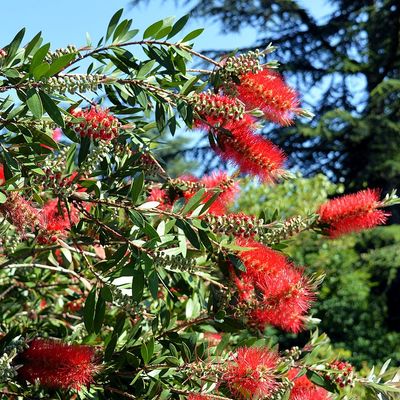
(137, 187)
(60, 63)
(153, 284)
(34, 103)
(144, 353)
(178, 26)
(84, 149)
(189, 233)
(51, 108)
(39, 57)
(33, 43)
(119, 325)
(40, 70)
(43, 138)
(193, 202)
(11, 73)
(89, 310)
(99, 314)
(209, 202)
(3, 198)
(153, 29)
(192, 35)
(138, 285)
(320, 381)
(13, 47)
(145, 69)
(186, 88)
(121, 30)
(163, 32)
(160, 117)
(113, 23)
(237, 262)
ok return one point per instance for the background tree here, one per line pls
(347, 68)
(353, 303)
(350, 62)
(120, 281)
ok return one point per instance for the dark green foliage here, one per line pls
(350, 60)
(358, 299)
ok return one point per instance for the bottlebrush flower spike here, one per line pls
(284, 300)
(352, 213)
(217, 181)
(98, 123)
(267, 91)
(212, 338)
(252, 153)
(251, 373)
(304, 389)
(272, 291)
(57, 365)
(2, 176)
(162, 197)
(56, 219)
(20, 212)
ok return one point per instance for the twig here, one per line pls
(122, 393)
(147, 42)
(51, 268)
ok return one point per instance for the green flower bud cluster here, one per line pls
(9, 240)
(282, 230)
(283, 389)
(213, 105)
(73, 83)
(53, 55)
(242, 64)
(235, 224)
(174, 262)
(54, 166)
(7, 370)
(293, 354)
(99, 153)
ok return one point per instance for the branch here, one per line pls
(62, 270)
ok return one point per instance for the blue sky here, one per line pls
(64, 23)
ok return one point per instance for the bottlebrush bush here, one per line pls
(118, 281)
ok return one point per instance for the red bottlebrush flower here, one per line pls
(286, 297)
(56, 218)
(2, 176)
(304, 389)
(212, 338)
(98, 123)
(260, 259)
(251, 374)
(20, 212)
(272, 290)
(161, 196)
(57, 365)
(252, 153)
(217, 181)
(352, 213)
(267, 91)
